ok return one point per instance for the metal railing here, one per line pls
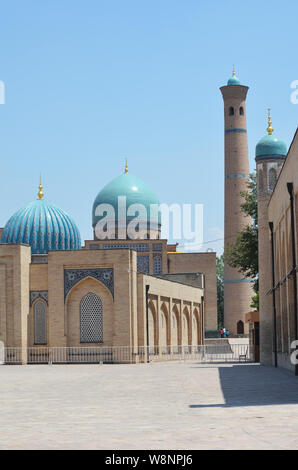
(128, 355)
(82, 355)
(12, 356)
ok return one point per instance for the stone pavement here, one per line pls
(154, 406)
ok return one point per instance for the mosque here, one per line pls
(275, 326)
(124, 290)
(112, 291)
(277, 178)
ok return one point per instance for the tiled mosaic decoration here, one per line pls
(143, 264)
(157, 267)
(73, 276)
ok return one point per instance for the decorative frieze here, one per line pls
(132, 246)
(73, 276)
(38, 294)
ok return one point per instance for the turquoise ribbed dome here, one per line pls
(234, 81)
(133, 188)
(270, 145)
(42, 226)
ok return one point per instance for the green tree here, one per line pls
(220, 290)
(243, 254)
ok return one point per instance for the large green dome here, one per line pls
(135, 191)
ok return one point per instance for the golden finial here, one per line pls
(40, 192)
(269, 128)
(126, 167)
(234, 74)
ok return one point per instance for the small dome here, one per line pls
(42, 226)
(234, 81)
(270, 145)
(135, 191)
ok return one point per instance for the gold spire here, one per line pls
(126, 167)
(40, 192)
(234, 74)
(269, 128)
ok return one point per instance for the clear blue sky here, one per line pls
(90, 82)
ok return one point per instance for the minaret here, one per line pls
(270, 155)
(237, 290)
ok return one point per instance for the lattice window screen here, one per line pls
(40, 323)
(91, 319)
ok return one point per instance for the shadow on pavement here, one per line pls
(254, 385)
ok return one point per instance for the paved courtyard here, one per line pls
(154, 406)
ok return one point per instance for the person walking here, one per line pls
(224, 332)
(227, 333)
(221, 333)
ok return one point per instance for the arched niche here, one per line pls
(88, 285)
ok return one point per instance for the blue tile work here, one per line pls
(73, 276)
(271, 145)
(143, 264)
(228, 131)
(134, 246)
(157, 266)
(157, 247)
(38, 294)
(134, 190)
(42, 226)
(237, 175)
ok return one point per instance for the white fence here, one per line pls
(1, 353)
(128, 355)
